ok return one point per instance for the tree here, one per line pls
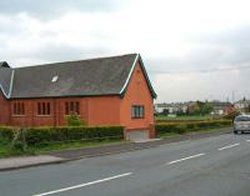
(165, 112)
(207, 108)
(202, 108)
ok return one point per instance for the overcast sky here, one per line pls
(192, 50)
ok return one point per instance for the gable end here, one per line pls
(125, 87)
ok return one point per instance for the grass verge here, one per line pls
(7, 151)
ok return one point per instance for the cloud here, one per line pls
(202, 86)
(181, 42)
(46, 9)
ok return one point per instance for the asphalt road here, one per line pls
(210, 166)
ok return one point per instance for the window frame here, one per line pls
(72, 107)
(43, 108)
(18, 108)
(138, 112)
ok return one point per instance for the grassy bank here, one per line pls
(31, 141)
(7, 151)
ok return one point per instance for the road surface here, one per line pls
(204, 167)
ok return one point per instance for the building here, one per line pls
(102, 91)
(220, 108)
(242, 106)
(171, 108)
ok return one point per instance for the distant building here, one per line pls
(242, 106)
(219, 108)
(230, 110)
(171, 108)
(192, 107)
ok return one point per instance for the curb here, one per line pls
(35, 165)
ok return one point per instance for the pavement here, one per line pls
(216, 165)
(57, 157)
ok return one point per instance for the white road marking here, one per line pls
(230, 146)
(186, 158)
(83, 185)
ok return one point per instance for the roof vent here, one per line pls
(55, 78)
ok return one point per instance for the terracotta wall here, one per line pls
(93, 110)
(56, 117)
(104, 110)
(137, 94)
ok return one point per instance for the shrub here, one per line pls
(74, 120)
(182, 127)
(60, 134)
(6, 133)
(43, 135)
(19, 140)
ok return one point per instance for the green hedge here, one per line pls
(43, 135)
(178, 121)
(6, 133)
(163, 128)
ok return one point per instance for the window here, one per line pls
(72, 107)
(138, 111)
(18, 108)
(43, 108)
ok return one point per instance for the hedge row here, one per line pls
(163, 128)
(34, 136)
(178, 121)
(6, 133)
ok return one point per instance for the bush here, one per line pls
(43, 135)
(6, 133)
(19, 140)
(60, 134)
(182, 127)
(75, 120)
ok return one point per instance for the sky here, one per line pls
(192, 50)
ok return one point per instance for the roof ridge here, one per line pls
(76, 61)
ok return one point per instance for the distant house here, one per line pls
(171, 108)
(102, 91)
(192, 107)
(230, 110)
(242, 106)
(219, 107)
(161, 107)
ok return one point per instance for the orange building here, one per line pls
(102, 91)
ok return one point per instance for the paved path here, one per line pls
(21, 162)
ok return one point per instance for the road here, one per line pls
(210, 166)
